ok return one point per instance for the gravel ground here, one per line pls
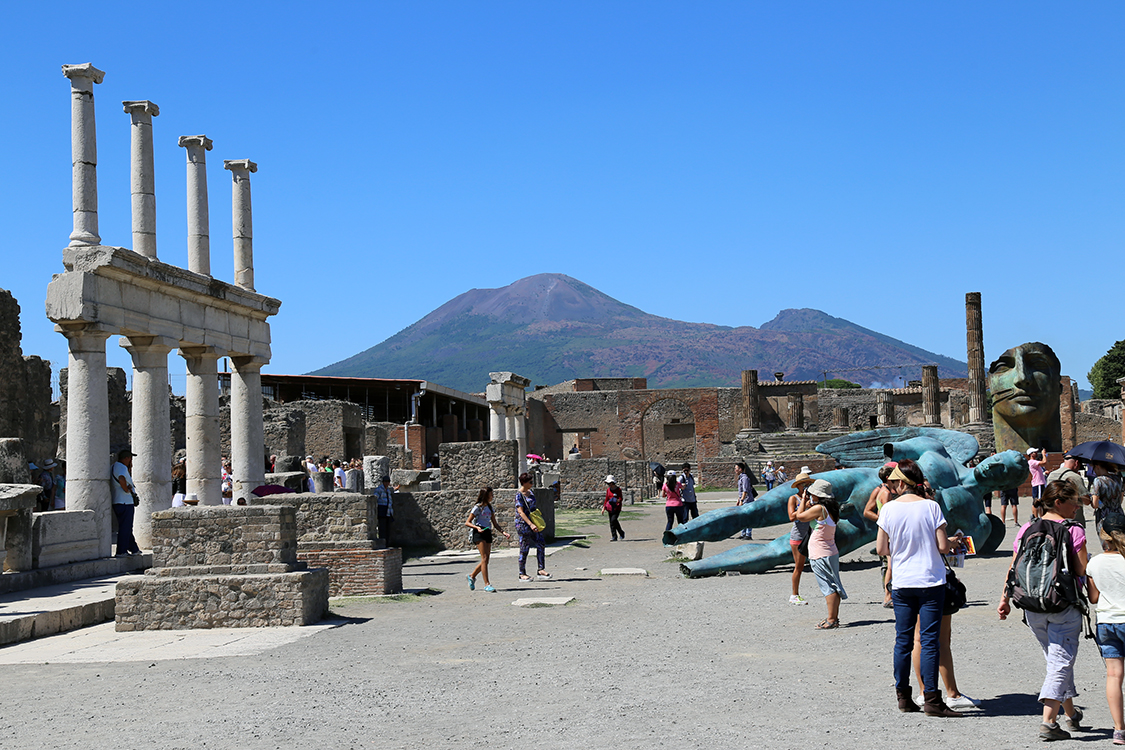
(633, 662)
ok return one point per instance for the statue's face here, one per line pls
(1025, 385)
(1001, 470)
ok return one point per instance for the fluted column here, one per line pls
(88, 460)
(750, 406)
(974, 334)
(198, 218)
(885, 408)
(795, 413)
(152, 435)
(243, 225)
(142, 180)
(204, 459)
(83, 153)
(931, 397)
(247, 433)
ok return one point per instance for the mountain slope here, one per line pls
(551, 328)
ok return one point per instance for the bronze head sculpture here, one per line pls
(1025, 386)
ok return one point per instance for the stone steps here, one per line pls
(793, 443)
(56, 609)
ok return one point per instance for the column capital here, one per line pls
(148, 343)
(237, 165)
(141, 108)
(77, 331)
(83, 71)
(249, 363)
(202, 352)
(187, 141)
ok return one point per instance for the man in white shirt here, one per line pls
(124, 492)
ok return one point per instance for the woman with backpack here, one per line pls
(612, 506)
(1105, 492)
(1057, 631)
(673, 502)
(529, 533)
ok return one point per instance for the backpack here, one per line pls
(1041, 579)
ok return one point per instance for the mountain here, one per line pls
(552, 328)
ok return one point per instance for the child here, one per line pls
(1107, 590)
(823, 554)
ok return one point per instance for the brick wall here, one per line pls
(358, 572)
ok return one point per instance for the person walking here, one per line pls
(799, 534)
(1107, 591)
(745, 493)
(124, 503)
(612, 505)
(1105, 491)
(768, 475)
(482, 520)
(1068, 471)
(673, 501)
(1057, 632)
(824, 557)
(879, 497)
(912, 534)
(530, 534)
(687, 493)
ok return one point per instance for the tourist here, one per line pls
(482, 520)
(179, 484)
(1068, 471)
(768, 475)
(384, 508)
(673, 501)
(612, 505)
(60, 486)
(824, 557)
(1035, 463)
(687, 493)
(1105, 491)
(1010, 498)
(912, 534)
(311, 468)
(880, 496)
(227, 482)
(780, 477)
(799, 534)
(47, 482)
(1107, 590)
(124, 503)
(745, 493)
(1057, 632)
(529, 533)
(339, 478)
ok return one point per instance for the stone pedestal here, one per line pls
(223, 567)
(323, 481)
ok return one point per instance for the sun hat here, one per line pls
(610, 479)
(821, 488)
(801, 480)
(806, 470)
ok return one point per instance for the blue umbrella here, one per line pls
(1099, 450)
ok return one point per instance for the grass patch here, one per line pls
(568, 522)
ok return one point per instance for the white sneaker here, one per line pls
(796, 599)
(962, 701)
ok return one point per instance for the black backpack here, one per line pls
(1041, 578)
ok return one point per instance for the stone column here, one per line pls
(931, 397)
(974, 333)
(83, 153)
(796, 413)
(88, 461)
(198, 220)
(885, 408)
(520, 436)
(247, 433)
(204, 458)
(243, 225)
(840, 421)
(750, 406)
(142, 177)
(152, 436)
(497, 422)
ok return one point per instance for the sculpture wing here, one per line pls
(865, 449)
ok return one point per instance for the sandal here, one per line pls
(828, 625)
(524, 577)
(543, 575)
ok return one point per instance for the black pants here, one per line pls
(385, 527)
(674, 514)
(691, 510)
(125, 540)
(615, 526)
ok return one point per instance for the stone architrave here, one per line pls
(885, 408)
(243, 225)
(974, 333)
(795, 413)
(84, 152)
(750, 405)
(931, 397)
(152, 438)
(142, 178)
(198, 217)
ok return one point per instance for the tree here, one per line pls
(1105, 372)
(838, 383)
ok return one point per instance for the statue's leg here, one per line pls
(771, 509)
(749, 558)
(995, 538)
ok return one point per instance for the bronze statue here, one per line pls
(1025, 383)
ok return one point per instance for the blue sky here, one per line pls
(711, 162)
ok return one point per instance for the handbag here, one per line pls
(956, 596)
(537, 519)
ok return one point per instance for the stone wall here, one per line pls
(471, 466)
(26, 411)
(333, 428)
(437, 519)
(1095, 427)
(284, 429)
(328, 517)
(1102, 407)
(256, 539)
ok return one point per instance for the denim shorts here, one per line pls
(1111, 640)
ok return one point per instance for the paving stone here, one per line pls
(552, 601)
(624, 572)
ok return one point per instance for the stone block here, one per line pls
(63, 537)
(374, 469)
(298, 481)
(13, 462)
(690, 551)
(473, 465)
(354, 480)
(287, 464)
(322, 481)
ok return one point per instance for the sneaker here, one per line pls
(472, 583)
(1072, 722)
(1119, 736)
(490, 589)
(1050, 732)
(796, 599)
(962, 701)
